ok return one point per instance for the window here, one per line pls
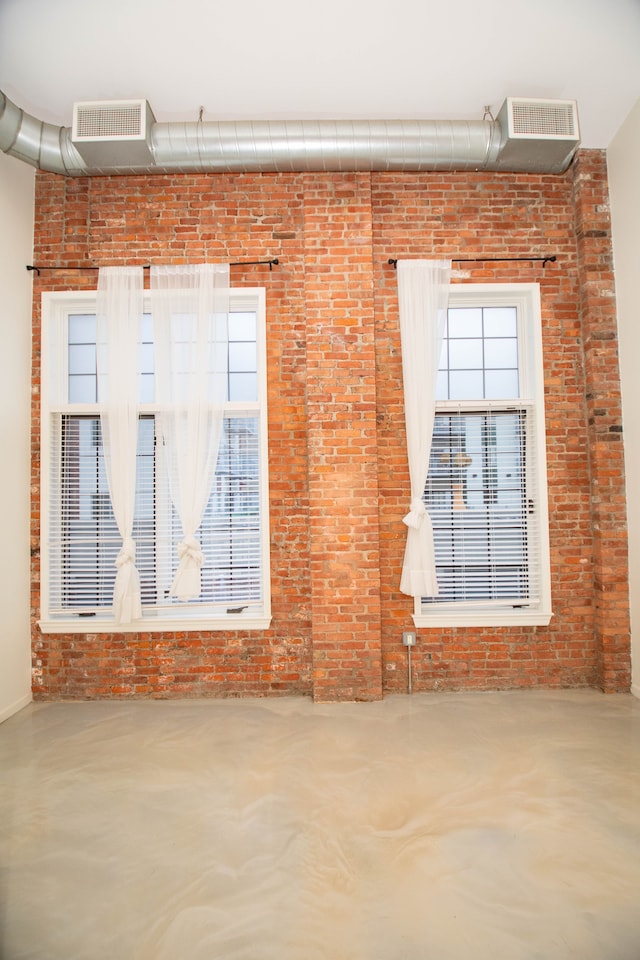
(486, 486)
(80, 539)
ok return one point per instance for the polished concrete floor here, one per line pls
(500, 826)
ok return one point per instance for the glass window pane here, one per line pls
(82, 389)
(466, 385)
(465, 354)
(465, 322)
(181, 358)
(243, 386)
(146, 328)
(221, 327)
(218, 358)
(242, 357)
(444, 356)
(501, 384)
(500, 322)
(82, 358)
(145, 357)
(501, 353)
(82, 328)
(242, 326)
(147, 388)
(442, 386)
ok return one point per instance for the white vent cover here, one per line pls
(543, 118)
(113, 133)
(538, 133)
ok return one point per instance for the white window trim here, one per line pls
(526, 298)
(56, 306)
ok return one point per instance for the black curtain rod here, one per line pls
(147, 266)
(545, 260)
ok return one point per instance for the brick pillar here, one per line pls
(341, 399)
(604, 416)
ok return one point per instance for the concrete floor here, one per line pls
(503, 826)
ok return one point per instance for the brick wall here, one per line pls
(338, 471)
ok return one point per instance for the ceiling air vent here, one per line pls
(538, 133)
(115, 133)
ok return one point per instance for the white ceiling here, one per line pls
(295, 59)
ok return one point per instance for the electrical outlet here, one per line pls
(409, 638)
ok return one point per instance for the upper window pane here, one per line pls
(82, 328)
(82, 388)
(466, 385)
(241, 358)
(81, 358)
(465, 355)
(464, 322)
(501, 384)
(242, 326)
(501, 354)
(479, 358)
(243, 387)
(500, 321)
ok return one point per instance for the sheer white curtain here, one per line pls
(423, 292)
(190, 309)
(119, 311)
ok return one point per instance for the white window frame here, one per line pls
(56, 308)
(525, 297)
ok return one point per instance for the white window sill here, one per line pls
(155, 625)
(483, 618)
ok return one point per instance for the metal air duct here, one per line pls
(271, 146)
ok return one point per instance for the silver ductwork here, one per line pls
(312, 145)
(547, 145)
(39, 144)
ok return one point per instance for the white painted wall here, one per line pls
(17, 182)
(623, 159)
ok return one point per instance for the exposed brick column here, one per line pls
(604, 416)
(341, 398)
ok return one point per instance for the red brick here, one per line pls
(338, 469)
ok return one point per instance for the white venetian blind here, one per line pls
(477, 493)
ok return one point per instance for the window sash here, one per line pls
(520, 594)
(481, 355)
(78, 527)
